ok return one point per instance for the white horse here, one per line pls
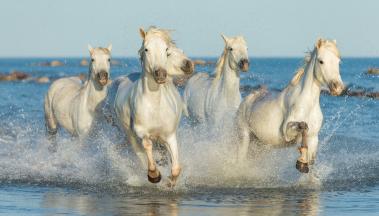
(208, 99)
(294, 115)
(73, 105)
(179, 66)
(150, 108)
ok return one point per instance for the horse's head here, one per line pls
(327, 69)
(99, 66)
(178, 63)
(236, 51)
(154, 53)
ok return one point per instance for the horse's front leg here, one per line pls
(295, 129)
(312, 148)
(153, 174)
(175, 166)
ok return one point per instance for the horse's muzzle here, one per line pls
(160, 75)
(102, 78)
(243, 65)
(187, 67)
(336, 88)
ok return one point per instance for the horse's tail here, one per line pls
(257, 93)
(50, 120)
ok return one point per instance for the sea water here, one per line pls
(98, 177)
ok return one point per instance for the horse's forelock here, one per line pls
(101, 49)
(331, 46)
(162, 33)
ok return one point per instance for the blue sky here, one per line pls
(44, 28)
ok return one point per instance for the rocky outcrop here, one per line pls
(373, 71)
(14, 76)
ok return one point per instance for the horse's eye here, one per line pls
(92, 59)
(321, 61)
(146, 50)
(230, 49)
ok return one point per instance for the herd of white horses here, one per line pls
(149, 110)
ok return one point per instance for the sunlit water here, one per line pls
(98, 177)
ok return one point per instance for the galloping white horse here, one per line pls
(71, 104)
(150, 108)
(208, 99)
(178, 66)
(294, 115)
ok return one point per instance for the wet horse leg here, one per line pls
(302, 163)
(175, 166)
(153, 174)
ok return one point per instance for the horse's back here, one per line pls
(64, 88)
(195, 94)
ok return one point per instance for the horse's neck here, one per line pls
(149, 85)
(309, 94)
(92, 95)
(229, 82)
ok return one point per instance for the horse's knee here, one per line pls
(175, 170)
(147, 144)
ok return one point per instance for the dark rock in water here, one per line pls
(84, 62)
(115, 62)
(54, 63)
(373, 71)
(13, 76)
(373, 95)
(42, 80)
(202, 62)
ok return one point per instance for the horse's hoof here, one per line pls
(154, 180)
(302, 167)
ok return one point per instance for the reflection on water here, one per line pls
(217, 202)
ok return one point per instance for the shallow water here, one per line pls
(97, 178)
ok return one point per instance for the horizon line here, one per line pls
(120, 57)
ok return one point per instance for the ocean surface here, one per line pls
(96, 177)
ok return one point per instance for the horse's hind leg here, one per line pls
(243, 142)
(175, 166)
(51, 125)
(133, 140)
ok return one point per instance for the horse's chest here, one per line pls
(314, 120)
(155, 117)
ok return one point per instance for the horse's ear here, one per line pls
(335, 41)
(90, 48)
(142, 33)
(109, 48)
(226, 39)
(319, 43)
